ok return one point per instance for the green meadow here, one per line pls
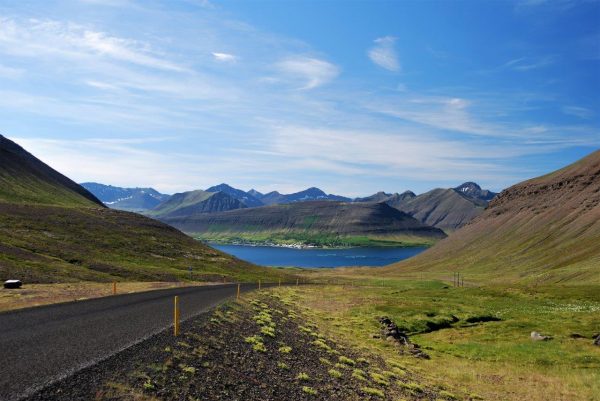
(478, 337)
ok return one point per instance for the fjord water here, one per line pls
(318, 257)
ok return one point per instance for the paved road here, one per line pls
(41, 345)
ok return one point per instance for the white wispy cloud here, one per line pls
(577, 111)
(36, 38)
(145, 78)
(528, 63)
(224, 57)
(312, 72)
(384, 53)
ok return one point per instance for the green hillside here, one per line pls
(322, 223)
(25, 179)
(53, 230)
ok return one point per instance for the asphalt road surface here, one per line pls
(41, 345)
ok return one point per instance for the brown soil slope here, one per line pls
(543, 230)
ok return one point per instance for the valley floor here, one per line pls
(478, 338)
(324, 342)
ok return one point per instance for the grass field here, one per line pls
(470, 352)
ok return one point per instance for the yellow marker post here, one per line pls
(238, 292)
(176, 316)
(114, 288)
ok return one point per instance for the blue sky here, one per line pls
(352, 97)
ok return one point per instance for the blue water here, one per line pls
(275, 256)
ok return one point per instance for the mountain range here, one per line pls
(52, 229)
(132, 199)
(543, 230)
(444, 208)
(317, 223)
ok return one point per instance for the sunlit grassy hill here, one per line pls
(52, 229)
(25, 179)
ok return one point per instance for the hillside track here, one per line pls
(41, 345)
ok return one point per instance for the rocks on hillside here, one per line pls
(535, 336)
(597, 340)
(391, 332)
(13, 284)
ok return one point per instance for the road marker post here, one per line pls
(176, 316)
(259, 284)
(114, 288)
(238, 292)
(297, 282)
(280, 282)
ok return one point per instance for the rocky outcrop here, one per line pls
(535, 336)
(391, 332)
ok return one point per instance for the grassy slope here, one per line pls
(25, 179)
(318, 223)
(49, 244)
(52, 229)
(495, 360)
(542, 230)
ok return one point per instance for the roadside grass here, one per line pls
(229, 357)
(470, 352)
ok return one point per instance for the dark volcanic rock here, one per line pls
(391, 332)
(13, 284)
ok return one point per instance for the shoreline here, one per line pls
(308, 246)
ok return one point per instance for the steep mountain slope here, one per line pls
(311, 222)
(310, 194)
(244, 197)
(25, 179)
(52, 229)
(447, 209)
(131, 199)
(543, 230)
(195, 202)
